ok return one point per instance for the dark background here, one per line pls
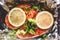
(2, 17)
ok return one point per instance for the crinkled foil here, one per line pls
(53, 32)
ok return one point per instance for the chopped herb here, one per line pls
(27, 29)
(32, 31)
(20, 31)
(35, 7)
(32, 20)
(30, 27)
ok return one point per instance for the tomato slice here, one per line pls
(8, 24)
(31, 14)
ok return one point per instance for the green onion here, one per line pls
(32, 20)
(35, 7)
(30, 27)
(32, 31)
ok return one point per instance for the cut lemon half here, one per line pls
(16, 17)
(44, 20)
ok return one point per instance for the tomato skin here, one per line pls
(31, 14)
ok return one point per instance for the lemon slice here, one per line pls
(44, 20)
(16, 17)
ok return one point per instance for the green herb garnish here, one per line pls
(32, 31)
(30, 27)
(35, 7)
(32, 20)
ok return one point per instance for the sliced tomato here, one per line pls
(8, 24)
(31, 14)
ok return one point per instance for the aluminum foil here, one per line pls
(51, 36)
